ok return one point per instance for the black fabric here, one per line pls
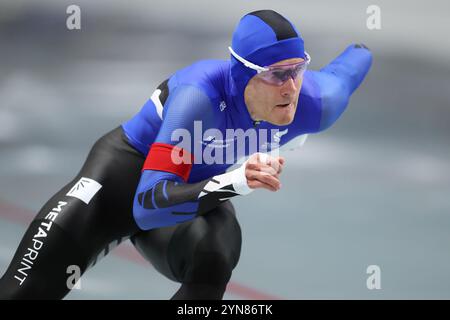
(47, 279)
(280, 25)
(81, 231)
(164, 87)
(200, 253)
(195, 291)
(361, 45)
(185, 193)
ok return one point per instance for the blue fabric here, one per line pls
(253, 37)
(338, 80)
(148, 219)
(207, 91)
(256, 42)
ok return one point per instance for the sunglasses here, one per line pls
(279, 74)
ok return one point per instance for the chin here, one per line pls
(286, 121)
(283, 120)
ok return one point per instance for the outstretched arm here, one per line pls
(339, 79)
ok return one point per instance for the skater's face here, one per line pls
(275, 101)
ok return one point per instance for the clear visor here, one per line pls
(279, 74)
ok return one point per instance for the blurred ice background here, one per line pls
(372, 190)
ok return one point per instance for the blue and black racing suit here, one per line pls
(180, 218)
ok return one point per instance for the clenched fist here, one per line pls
(263, 171)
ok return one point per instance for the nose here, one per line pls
(289, 88)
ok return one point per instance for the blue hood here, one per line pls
(262, 37)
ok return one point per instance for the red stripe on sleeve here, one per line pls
(169, 158)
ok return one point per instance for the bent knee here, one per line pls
(209, 267)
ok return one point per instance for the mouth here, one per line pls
(284, 105)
